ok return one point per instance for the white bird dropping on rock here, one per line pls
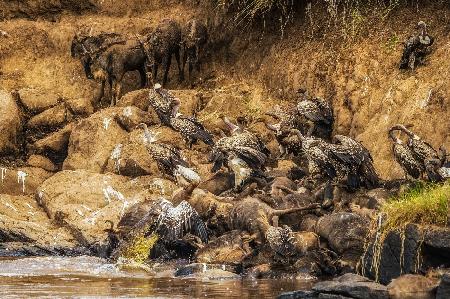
(3, 170)
(127, 111)
(106, 122)
(115, 155)
(21, 178)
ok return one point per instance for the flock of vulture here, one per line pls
(303, 130)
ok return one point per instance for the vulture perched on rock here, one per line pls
(169, 160)
(190, 128)
(405, 157)
(243, 153)
(416, 47)
(163, 102)
(319, 114)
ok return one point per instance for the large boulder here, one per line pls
(129, 117)
(93, 139)
(54, 117)
(10, 123)
(41, 162)
(37, 101)
(344, 287)
(21, 181)
(24, 223)
(85, 200)
(414, 249)
(132, 157)
(81, 106)
(353, 286)
(55, 144)
(443, 290)
(138, 98)
(412, 286)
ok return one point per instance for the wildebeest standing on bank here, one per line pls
(85, 47)
(164, 42)
(112, 64)
(194, 39)
(107, 57)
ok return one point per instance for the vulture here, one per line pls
(162, 101)
(438, 170)
(416, 47)
(243, 153)
(405, 157)
(169, 160)
(345, 160)
(190, 128)
(319, 114)
(172, 226)
(421, 150)
(359, 161)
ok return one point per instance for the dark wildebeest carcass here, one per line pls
(164, 42)
(194, 39)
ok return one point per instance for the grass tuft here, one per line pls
(423, 204)
(140, 248)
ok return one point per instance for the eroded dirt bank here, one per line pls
(71, 169)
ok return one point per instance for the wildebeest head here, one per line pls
(77, 49)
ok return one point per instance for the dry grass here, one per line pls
(424, 204)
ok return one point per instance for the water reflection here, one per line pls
(64, 278)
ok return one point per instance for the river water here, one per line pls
(88, 277)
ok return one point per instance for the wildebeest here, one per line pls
(107, 57)
(164, 42)
(194, 39)
(86, 46)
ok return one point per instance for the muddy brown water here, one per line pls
(87, 277)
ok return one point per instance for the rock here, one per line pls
(230, 248)
(299, 295)
(131, 116)
(343, 231)
(169, 136)
(138, 98)
(205, 271)
(132, 158)
(190, 100)
(411, 286)
(37, 100)
(443, 290)
(22, 181)
(55, 143)
(54, 117)
(10, 123)
(86, 200)
(41, 162)
(259, 271)
(93, 139)
(80, 106)
(372, 199)
(353, 286)
(25, 228)
(437, 243)
(398, 254)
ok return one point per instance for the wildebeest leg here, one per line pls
(143, 75)
(155, 72)
(100, 93)
(180, 71)
(117, 88)
(197, 60)
(191, 67)
(185, 56)
(166, 65)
